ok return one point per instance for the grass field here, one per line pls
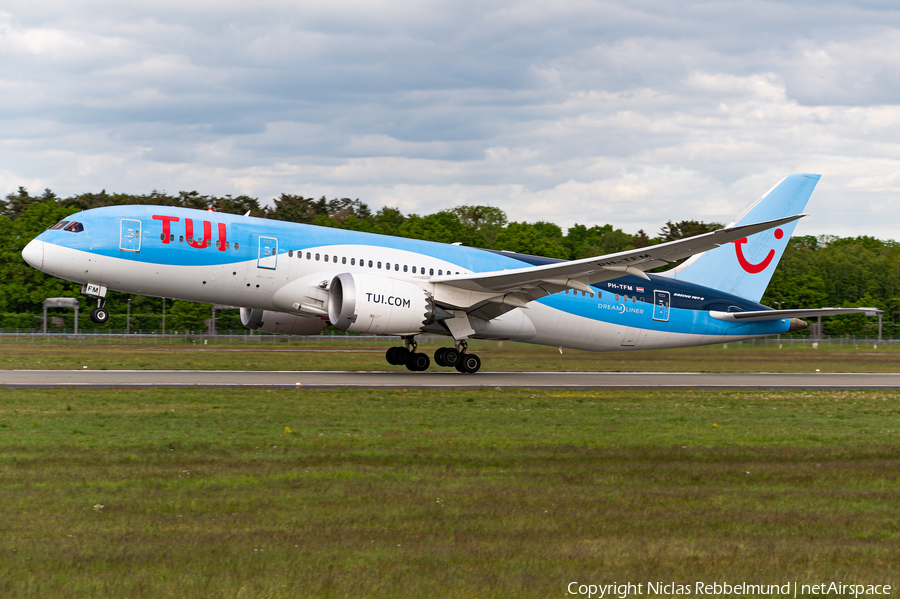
(486, 493)
(364, 354)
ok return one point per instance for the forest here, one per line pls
(814, 271)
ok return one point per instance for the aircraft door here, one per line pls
(268, 253)
(661, 302)
(130, 235)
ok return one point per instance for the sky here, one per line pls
(573, 111)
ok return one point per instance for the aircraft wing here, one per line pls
(775, 314)
(515, 288)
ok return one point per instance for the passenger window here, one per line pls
(290, 253)
(58, 225)
(617, 297)
(308, 255)
(370, 264)
(344, 260)
(633, 300)
(430, 271)
(326, 257)
(172, 238)
(181, 239)
(387, 265)
(405, 268)
(440, 272)
(352, 261)
(379, 264)
(162, 237)
(396, 267)
(317, 257)
(414, 270)
(235, 245)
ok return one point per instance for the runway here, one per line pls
(404, 379)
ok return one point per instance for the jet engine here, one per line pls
(281, 323)
(364, 303)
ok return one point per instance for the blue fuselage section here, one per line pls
(173, 246)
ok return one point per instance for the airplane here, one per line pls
(293, 279)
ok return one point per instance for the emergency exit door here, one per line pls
(268, 253)
(661, 302)
(130, 235)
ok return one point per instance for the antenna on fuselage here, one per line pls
(248, 213)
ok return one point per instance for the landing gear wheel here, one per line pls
(439, 356)
(451, 357)
(447, 357)
(418, 362)
(99, 315)
(469, 363)
(396, 356)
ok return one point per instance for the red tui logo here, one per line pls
(197, 242)
(749, 266)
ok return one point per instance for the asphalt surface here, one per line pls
(400, 379)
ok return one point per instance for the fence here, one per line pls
(256, 339)
(191, 338)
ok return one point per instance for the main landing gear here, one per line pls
(448, 357)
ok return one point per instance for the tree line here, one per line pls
(814, 271)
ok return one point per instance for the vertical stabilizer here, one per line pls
(745, 266)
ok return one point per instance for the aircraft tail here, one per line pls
(745, 267)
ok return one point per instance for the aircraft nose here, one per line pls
(34, 253)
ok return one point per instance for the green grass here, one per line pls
(407, 493)
(496, 356)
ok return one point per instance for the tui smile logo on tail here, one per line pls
(749, 266)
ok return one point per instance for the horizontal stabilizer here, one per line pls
(776, 314)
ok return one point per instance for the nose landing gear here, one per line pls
(99, 315)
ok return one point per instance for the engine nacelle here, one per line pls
(281, 323)
(364, 303)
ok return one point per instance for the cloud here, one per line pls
(575, 111)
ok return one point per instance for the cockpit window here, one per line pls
(58, 225)
(74, 227)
